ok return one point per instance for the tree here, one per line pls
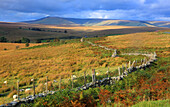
(38, 41)
(17, 41)
(5, 48)
(25, 40)
(3, 39)
(65, 31)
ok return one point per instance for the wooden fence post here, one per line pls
(85, 78)
(18, 89)
(33, 87)
(93, 77)
(47, 84)
(144, 60)
(108, 72)
(60, 83)
(123, 68)
(72, 82)
(141, 61)
(133, 63)
(126, 66)
(129, 64)
(155, 55)
(119, 71)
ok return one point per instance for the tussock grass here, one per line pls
(159, 103)
(10, 95)
(139, 40)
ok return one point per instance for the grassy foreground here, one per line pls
(73, 57)
(159, 103)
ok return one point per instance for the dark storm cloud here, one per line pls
(18, 10)
(66, 5)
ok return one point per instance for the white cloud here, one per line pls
(142, 1)
(163, 18)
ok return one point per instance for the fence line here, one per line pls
(95, 83)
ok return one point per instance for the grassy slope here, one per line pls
(138, 40)
(53, 60)
(12, 46)
(143, 85)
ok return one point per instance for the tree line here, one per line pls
(22, 40)
(39, 29)
(27, 40)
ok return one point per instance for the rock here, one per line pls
(5, 82)
(28, 89)
(14, 103)
(21, 90)
(114, 53)
(82, 40)
(15, 96)
(54, 81)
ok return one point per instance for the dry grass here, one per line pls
(149, 39)
(12, 46)
(67, 59)
(10, 95)
(92, 28)
(76, 28)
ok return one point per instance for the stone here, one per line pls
(114, 53)
(119, 71)
(129, 64)
(82, 40)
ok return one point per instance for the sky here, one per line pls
(24, 10)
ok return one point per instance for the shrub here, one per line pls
(27, 45)
(38, 41)
(5, 48)
(17, 47)
(104, 96)
(25, 40)
(3, 39)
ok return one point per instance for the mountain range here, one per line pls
(59, 21)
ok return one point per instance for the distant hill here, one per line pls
(16, 31)
(97, 22)
(52, 21)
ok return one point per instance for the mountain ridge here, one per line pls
(96, 22)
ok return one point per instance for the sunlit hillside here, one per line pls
(72, 57)
(138, 40)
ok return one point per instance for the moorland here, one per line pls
(67, 56)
